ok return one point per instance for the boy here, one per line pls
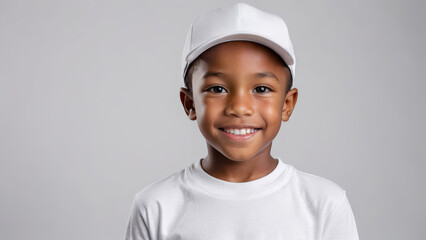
(238, 66)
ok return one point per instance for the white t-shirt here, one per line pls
(286, 204)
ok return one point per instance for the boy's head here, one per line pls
(239, 91)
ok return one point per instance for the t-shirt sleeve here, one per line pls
(137, 228)
(340, 224)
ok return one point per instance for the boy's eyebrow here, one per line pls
(213, 74)
(267, 74)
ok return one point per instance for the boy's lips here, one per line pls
(239, 133)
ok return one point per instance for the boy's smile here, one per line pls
(238, 99)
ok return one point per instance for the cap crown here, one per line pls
(238, 22)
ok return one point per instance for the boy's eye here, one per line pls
(262, 89)
(216, 89)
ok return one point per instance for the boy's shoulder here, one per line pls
(315, 182)
(162, 189)
(318, 190)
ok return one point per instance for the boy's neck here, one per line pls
(219, 166)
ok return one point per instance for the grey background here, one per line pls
(90, 110)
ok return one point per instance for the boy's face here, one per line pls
(239, 85)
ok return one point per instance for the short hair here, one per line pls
(195, 63)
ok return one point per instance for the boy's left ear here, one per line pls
(289, 104)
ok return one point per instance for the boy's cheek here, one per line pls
(270, 109)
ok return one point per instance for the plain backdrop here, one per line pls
(90, 111)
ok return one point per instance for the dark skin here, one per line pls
(239, 85)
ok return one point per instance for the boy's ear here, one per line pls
(188, 103)
(289, 104)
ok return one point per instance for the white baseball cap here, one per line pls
(238, 22)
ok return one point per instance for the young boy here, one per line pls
(238, 66)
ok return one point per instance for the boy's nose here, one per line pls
(239, 105)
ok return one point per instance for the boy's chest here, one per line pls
(269, 219)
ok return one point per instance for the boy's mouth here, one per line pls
(239, 131)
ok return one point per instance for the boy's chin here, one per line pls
(238, 155)
(238, 152)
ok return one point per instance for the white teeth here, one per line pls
(242, 131)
